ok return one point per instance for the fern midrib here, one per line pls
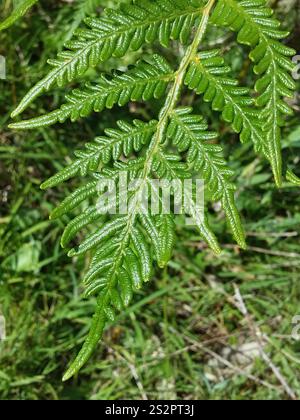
(177, 86)
(171, 102)
(169, 106)
(153, 149)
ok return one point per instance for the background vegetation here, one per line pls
(185, 336)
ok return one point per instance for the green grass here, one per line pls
(183, 336)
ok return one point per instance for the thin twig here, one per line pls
(273, 234)
(202, 245)
(133, 371)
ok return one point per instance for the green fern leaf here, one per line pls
(124, 248)
(145, 81)
(114, 34)
(161, 231)
(73, 200)
(208, 75)
(169, 167)
(122, 262)
(189, 133)
(88, 217)
(91, 341)
(256, 27)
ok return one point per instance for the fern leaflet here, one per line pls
(190, 134)
(256, 27)
(114, 34)
(208, 75)
(144, 81)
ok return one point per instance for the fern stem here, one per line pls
(168, 108)
(171, 100)
(174, 93)
(96, 330)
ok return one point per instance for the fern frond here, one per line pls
(19, 10)
(124, 248)
(113, 279)
(189, 134)
(122, 258)
(114, 34)
(148, 79)
(73, 200)
(208, 76)
(256, 27)
(122, 261)
(204, 228)
(94, 335)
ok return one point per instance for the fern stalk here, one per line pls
(96, 330)
(174, 93)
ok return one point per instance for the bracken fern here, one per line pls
(174, 146)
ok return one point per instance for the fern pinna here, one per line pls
(178, 143)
